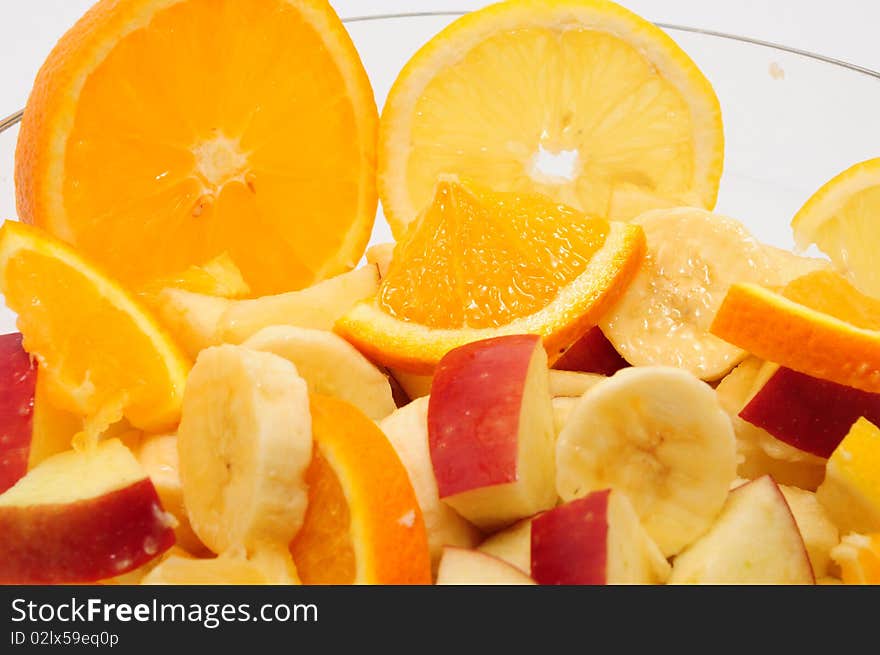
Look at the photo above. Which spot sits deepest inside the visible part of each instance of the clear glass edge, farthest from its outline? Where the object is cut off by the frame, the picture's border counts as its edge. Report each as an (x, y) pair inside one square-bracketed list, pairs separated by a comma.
[(15, 118)]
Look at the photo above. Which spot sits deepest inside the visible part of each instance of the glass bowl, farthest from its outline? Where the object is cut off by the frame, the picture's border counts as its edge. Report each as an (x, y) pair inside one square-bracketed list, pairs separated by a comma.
[(792, 119)]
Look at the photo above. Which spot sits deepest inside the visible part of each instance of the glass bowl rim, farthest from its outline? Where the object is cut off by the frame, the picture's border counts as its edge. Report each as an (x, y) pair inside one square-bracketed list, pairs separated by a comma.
[(14, 118)]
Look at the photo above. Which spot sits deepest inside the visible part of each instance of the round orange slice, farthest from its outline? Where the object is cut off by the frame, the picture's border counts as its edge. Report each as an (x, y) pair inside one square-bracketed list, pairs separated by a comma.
[(480, 264), (99, 350), (363, 524), (819, 325), (580, 100), (163, 133)]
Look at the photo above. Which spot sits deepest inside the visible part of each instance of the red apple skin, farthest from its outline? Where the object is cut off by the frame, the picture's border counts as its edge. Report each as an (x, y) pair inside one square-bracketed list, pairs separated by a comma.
[(810, 414), (18, 380), (592, 353), (570, 542), (474, 410), (84, 541)]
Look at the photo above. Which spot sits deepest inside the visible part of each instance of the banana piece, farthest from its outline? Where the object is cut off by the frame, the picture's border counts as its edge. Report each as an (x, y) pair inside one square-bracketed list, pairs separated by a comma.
[(244, 444), (664, 316), (658, 435), (330, 366), (191, 318)]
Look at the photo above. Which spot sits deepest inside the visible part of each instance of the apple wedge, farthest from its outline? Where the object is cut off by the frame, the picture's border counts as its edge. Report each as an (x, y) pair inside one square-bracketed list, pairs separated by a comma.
[(592, 353), (755, 540), (18, 380), (459, 566), (513, 545), (81, 517), (594, 540), (407, 430), (807, 413), (818, 531), (568, 384), (491, 430)]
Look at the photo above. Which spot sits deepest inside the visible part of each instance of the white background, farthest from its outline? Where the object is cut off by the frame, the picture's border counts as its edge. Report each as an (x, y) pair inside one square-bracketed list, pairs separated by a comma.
[(844, 29)]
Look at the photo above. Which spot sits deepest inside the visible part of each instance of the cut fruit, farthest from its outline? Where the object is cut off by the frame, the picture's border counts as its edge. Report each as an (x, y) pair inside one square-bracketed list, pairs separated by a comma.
[(81, 517), (280, 174), (363, 524), (415, 386), (759, 452), (244, 445), (568, 384), (219, 277), (841, 326), (223, 570), (840, 218), (330, 366), (754, 541), (480, 264), (491, 430), (18, 382), (53, 428), (850, 492), (158, 455), (819, 533), (471, 567), (595, 540), (577, 100), (407, 430), (592, 353), (563, 407), (380, 256), (664, 316), (191, 318), (513, 545), (807, 413), (98, 347), (858, 557), (658, 435)]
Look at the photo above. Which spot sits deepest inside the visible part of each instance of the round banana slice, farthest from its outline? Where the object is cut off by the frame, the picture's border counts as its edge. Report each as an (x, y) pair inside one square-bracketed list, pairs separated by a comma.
[(660, 436), (664, 316), (244, 442), (330, 366)]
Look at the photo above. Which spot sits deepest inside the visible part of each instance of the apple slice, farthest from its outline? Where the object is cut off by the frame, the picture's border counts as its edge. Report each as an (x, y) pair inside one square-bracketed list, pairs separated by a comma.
[(407, 430), (850, 492), (755, 540), (81, 517), (818, 531), (563, 407), (592, 353), (491, 431), (595, 540), (568, 384), (810, 414), (513, 545), (18, 380), (459, 566)]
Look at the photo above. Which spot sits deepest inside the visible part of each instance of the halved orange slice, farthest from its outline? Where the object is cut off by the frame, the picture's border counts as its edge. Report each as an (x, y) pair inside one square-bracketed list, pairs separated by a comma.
[(819, 325), (162, 133), (480, 264), (363, 524), (580, 100), (99, 350)]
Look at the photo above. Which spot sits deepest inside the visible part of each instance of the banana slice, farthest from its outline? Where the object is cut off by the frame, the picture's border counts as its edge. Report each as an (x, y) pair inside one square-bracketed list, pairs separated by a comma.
[(664, 316), (660, 436), (244, 443), (330, 366)]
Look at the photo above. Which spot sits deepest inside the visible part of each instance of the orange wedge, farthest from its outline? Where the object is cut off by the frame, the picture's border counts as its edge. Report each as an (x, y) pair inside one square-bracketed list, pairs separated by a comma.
[(859, 558), (363, 524), (99, 349), (819, 325), (580, 100), (162, 133), (480, 264)]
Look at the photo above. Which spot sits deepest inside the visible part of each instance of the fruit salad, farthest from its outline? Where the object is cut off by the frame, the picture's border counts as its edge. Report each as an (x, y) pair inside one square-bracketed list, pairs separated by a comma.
[(578, 378)]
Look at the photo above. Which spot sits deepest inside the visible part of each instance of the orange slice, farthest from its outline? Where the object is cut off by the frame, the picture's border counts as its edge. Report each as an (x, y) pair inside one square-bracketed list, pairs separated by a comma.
[(819, 325), (580, 100), (363, 524), (841, 219), (99, 349), (480, 264), (858, 556), (162, 133)]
